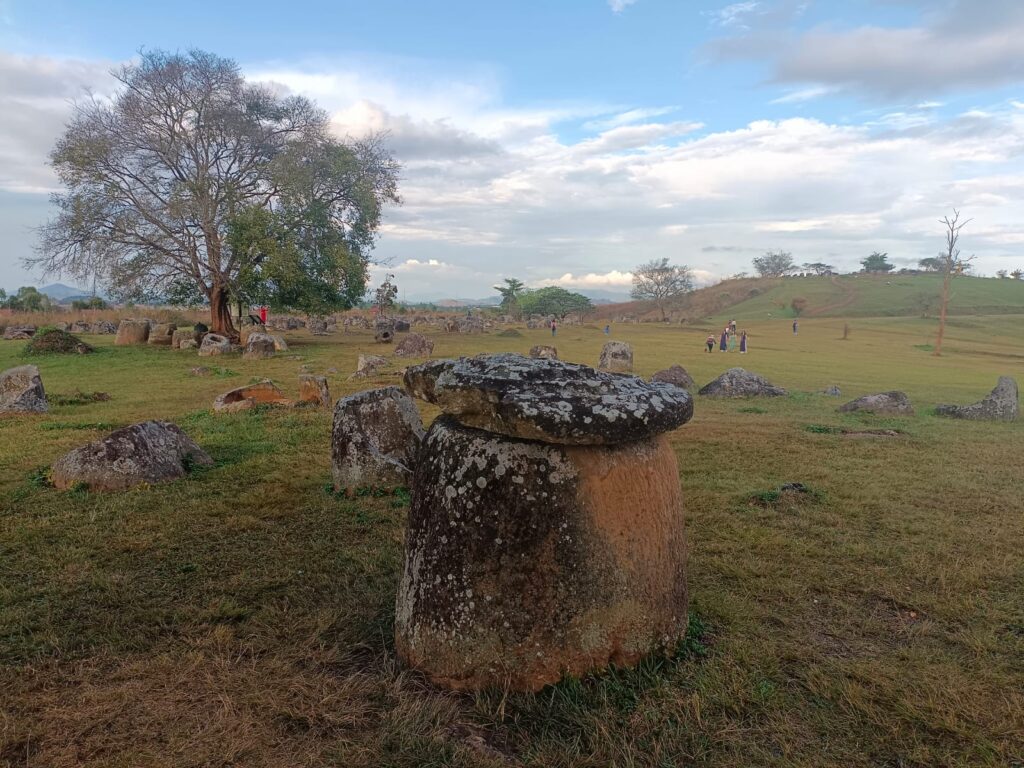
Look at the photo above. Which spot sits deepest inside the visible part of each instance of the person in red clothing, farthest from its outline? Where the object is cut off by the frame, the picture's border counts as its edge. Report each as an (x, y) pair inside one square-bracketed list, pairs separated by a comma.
[(263, 314)]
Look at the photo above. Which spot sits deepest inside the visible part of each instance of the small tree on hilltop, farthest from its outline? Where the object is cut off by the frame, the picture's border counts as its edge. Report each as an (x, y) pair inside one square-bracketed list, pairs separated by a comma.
[(660, 282), (1017, 274), (951, 264), (384, 297), (798, 305), (1002, 274), (773, 263), (930, 264), (877, 262), (819, 268)]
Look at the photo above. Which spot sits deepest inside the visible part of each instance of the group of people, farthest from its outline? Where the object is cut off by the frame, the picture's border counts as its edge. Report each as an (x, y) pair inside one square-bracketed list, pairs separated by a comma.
[(729, 340)]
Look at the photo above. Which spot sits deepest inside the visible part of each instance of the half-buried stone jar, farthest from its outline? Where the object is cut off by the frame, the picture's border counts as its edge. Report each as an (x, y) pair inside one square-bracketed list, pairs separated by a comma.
[(546, 531)]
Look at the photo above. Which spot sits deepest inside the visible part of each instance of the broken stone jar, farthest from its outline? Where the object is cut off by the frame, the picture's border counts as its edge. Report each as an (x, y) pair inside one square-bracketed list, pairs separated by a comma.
[(546, 531)]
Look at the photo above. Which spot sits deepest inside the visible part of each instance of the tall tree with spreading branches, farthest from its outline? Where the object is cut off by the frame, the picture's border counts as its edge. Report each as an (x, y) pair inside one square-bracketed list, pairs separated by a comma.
[(660, 282), (193, 184), (951, 264), (774, 263), (510, 293)]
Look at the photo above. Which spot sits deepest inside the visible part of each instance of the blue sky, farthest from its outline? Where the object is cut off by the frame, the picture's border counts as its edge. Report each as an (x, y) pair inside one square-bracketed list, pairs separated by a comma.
[(565, 142)]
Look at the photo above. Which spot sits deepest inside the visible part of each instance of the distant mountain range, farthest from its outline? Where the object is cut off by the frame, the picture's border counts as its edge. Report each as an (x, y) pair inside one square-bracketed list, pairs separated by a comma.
[(596, 296), (65, 293)]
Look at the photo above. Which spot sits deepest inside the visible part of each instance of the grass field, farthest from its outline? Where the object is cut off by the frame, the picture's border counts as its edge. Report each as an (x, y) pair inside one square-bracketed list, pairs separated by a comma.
[(243, 616)]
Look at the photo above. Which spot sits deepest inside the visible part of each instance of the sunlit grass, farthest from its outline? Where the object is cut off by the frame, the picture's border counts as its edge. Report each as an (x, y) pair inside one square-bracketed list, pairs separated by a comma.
[(244, 614)]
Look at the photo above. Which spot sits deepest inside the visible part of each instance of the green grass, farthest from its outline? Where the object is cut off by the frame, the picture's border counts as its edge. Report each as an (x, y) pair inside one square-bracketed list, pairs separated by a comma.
[(243, 615), (860, 295)]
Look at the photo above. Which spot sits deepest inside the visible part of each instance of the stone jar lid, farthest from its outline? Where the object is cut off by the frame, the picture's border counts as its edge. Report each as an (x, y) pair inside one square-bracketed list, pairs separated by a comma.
[(549, 400)]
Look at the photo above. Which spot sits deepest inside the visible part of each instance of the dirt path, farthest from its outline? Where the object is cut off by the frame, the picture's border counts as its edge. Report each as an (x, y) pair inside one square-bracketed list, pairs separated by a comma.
[(850, 296)]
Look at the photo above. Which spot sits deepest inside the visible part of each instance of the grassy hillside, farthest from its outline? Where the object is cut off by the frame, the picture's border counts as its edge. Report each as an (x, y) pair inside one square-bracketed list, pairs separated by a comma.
[(883, 296), (840, 296)]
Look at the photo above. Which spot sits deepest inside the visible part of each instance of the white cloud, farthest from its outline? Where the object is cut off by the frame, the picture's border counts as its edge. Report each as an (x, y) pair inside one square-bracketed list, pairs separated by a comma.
[(628, 117), (734, 15), (962, 44), (673, 229), (611, 279), (803, 94), (618, 6)]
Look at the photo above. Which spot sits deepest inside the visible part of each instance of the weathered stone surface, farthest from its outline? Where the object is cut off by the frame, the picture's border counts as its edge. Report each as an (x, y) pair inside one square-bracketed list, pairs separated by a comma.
[(375, 439), (884, 402), (150, 452), (21, 390), (737, 382), (317, 327), (261, 393), (214, 344), (414, 345), (1001, 404), (258, 346), (832, 391), (544, 352), (19, 332), (527, 561), (280, 345), (188, 344), (183, 334), (369, 365), (676, 375), (616, 356), (385, 336), (248, 329), (104, 327), (549, 400), (162, 334), (401, 326), (200, 370), (132, 332), (314, 390)]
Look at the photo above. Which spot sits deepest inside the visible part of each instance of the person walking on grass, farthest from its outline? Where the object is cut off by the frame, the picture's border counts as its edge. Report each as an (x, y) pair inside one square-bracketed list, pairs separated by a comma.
[(554, 326), (723, 343), (733, 341), (795, 326), (743, 343), (709, 342)]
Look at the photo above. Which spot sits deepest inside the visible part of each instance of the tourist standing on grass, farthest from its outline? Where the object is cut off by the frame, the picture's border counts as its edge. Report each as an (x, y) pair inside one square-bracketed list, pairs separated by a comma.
[(710, 343), (795, 326), (732, 341), (732, 327), (743, 343), (554, 326), (723, 343), (607, 329)]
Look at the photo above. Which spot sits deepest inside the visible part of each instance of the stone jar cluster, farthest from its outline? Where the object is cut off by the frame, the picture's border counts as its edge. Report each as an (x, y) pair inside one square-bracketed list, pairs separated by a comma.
[(546, 531)]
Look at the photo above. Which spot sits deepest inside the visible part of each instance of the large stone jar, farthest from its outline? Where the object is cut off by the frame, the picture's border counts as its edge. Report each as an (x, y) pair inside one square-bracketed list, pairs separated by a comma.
[(546, 530)]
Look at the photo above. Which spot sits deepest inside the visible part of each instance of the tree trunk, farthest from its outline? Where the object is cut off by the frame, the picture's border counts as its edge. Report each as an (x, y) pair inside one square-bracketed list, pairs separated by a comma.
[(220, 312), (942, 313)]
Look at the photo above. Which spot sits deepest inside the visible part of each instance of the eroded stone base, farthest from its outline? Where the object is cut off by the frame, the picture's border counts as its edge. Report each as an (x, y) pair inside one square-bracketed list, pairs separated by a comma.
[(528, 561)]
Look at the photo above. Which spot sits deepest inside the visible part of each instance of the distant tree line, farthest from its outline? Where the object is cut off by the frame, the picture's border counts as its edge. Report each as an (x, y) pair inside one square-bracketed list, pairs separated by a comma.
[(518, 300)]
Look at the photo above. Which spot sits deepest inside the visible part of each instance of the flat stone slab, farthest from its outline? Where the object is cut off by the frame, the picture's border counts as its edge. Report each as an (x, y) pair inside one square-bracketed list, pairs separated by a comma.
[(549, 400), (1001, 404), (737, 382), (894, 402)]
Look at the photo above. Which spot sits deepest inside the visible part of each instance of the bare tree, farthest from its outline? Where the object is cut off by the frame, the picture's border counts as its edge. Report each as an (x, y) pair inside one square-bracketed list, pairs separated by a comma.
[(194, 184), (660, 282), (951, 264)]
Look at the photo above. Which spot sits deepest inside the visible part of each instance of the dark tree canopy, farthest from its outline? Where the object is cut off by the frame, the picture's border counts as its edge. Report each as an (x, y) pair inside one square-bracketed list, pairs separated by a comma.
[(773, 263), (877, 262), (194, 184), (660, 282), (553, 300), (818, 268), (510, 293)]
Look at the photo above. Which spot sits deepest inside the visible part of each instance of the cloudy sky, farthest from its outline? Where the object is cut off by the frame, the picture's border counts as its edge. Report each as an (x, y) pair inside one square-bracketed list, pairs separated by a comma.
[(565, 142)]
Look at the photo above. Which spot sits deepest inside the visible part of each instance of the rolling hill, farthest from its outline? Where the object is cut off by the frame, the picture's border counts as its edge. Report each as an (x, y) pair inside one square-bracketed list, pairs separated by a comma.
[(857, 295)]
